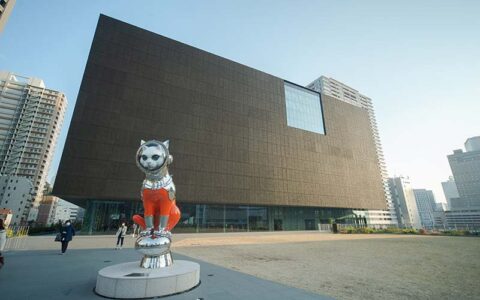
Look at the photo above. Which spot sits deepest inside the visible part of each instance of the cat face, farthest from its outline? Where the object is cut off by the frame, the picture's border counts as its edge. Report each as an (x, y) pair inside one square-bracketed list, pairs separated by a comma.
[(152, 155)]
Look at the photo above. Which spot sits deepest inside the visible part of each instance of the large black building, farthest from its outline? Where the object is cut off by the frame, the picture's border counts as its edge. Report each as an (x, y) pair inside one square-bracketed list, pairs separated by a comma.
[(251, 151)]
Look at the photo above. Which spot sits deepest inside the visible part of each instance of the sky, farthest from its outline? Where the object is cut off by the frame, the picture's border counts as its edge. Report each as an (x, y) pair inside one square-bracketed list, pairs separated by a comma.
[(419, 61)]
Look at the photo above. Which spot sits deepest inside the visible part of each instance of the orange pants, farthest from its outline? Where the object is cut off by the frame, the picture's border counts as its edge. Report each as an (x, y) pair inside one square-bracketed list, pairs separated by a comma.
[(156, 202)]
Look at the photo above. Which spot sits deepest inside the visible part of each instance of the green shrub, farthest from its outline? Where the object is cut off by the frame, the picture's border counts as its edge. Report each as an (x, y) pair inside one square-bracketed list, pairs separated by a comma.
[(365, 230), (391, 230), (456, 232)]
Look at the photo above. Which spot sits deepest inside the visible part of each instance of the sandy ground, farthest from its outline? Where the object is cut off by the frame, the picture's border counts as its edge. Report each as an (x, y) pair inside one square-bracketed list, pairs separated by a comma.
[(341, 266), (359, 266)]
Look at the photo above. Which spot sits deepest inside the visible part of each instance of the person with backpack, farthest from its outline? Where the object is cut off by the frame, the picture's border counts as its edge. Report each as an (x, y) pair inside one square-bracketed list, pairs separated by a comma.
[(66, 235)]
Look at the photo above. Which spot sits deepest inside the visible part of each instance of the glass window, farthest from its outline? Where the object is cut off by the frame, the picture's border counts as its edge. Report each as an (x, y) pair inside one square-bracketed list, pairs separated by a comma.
[(304, 109)]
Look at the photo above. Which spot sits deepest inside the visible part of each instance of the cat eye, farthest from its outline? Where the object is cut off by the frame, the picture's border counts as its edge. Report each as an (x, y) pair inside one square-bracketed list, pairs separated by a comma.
[(155, 157), (144, 157)]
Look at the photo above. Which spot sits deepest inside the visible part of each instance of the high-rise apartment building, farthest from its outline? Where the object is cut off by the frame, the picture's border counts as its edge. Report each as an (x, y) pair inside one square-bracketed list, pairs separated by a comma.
[(343, 92), (6, 7), (30, 120), (450, 190), (404, 201), (426, 206)]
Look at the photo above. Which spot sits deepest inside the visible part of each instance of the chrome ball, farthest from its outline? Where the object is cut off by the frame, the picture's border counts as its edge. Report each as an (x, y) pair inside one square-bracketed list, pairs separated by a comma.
[(152, 245)]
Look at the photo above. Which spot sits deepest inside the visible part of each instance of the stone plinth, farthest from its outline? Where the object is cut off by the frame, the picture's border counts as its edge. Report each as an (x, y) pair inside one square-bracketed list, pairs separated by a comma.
[(130, 281)]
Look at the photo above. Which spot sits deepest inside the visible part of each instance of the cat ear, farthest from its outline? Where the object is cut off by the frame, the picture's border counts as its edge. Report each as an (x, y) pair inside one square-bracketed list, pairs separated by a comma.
[(166, 143), (142, 142)]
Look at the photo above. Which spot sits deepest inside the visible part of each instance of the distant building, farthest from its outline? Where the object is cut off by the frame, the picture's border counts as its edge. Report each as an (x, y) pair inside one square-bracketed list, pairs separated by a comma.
[(426, 206), (439, 219), (47, 210), (465, 209), (463, 219), (466, 171), (16, 194), (6, 7), (6, 215), (31, 117), (404, 201), (65, 211), (472, 144), (343, 92), (450, 190)]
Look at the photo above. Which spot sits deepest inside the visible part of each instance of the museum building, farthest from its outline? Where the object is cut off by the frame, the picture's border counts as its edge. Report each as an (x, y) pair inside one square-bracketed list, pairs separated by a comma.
[(251, 151)]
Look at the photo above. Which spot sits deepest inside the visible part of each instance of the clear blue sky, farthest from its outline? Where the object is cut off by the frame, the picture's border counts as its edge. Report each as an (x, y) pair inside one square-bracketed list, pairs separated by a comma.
[(418, 60)]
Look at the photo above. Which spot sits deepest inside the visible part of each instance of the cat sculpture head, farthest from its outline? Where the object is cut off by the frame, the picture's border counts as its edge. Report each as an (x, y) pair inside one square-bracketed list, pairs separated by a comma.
[(153, 157)]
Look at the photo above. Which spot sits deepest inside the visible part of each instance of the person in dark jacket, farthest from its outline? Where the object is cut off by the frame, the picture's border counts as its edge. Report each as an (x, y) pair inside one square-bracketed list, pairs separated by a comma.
[(3, 240), (67, 233)]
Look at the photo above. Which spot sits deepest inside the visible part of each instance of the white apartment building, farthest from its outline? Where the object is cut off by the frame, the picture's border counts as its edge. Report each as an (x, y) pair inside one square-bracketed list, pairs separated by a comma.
[(16, 194), (65, 211), (342, 92), (31, 117), (6, 7)]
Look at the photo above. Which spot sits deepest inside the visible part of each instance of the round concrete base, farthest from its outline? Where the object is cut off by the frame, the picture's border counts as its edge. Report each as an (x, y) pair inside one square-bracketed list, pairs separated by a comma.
[(129, 281)]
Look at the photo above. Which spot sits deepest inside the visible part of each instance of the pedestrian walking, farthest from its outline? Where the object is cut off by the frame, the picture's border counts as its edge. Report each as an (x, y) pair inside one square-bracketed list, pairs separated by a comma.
[(135, 226), (66, 235), (121, 232), (3, 241)]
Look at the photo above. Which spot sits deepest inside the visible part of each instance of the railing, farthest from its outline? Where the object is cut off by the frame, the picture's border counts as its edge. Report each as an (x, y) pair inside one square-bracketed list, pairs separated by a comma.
[(325, 227), (329, 227), (16, 237)]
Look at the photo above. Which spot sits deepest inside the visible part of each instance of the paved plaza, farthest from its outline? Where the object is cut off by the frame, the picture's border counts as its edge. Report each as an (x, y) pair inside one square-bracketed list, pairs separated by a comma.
[(269, 265), (44, 274)]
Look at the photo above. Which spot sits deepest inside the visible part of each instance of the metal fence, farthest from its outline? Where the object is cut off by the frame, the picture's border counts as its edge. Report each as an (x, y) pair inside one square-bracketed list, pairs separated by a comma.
[(16, 237), (329, 227)]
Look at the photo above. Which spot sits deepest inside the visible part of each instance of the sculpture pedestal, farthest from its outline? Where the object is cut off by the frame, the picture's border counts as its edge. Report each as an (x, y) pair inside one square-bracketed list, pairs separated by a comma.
[(130, 281)]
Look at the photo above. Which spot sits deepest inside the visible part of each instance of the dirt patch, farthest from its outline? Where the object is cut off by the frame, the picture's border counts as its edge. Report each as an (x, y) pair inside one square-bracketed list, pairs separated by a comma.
[(352, 268)]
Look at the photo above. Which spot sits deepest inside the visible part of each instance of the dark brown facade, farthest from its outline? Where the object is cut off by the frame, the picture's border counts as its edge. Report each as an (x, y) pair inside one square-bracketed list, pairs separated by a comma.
[(227, 129)]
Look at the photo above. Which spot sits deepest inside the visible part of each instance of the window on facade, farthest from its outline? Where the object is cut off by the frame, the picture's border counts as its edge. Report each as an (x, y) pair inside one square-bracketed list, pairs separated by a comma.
[(304, 108)]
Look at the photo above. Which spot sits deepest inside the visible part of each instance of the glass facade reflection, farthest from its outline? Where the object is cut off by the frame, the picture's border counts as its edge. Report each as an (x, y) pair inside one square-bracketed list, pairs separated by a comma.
[(304, 109), (104, 217)]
